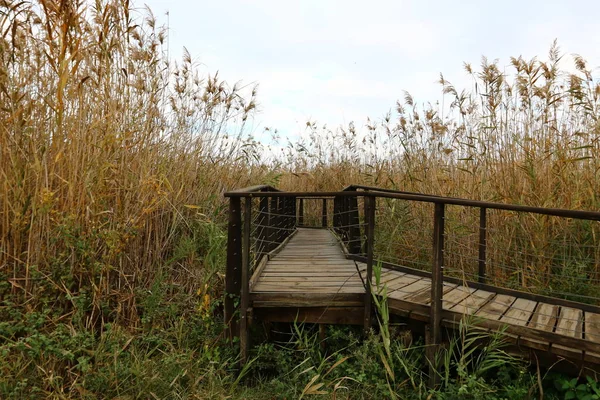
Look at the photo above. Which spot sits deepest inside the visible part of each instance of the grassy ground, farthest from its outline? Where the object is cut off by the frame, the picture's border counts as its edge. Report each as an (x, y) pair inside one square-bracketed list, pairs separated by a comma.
[(113, 161)]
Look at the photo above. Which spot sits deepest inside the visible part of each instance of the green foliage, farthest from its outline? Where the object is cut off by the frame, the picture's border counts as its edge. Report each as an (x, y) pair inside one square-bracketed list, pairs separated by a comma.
[(575, 388)]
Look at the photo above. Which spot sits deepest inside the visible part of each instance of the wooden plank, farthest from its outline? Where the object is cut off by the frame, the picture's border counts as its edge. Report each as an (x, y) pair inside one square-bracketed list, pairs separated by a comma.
[(455, 296), (592, 327), (570, 322), (544, 317), (412, 289), (306, 284), (314, 289), (496, 307), (472, 303), (519, 312), (303, 299), (318, 315), (424, 296), (269, 274), (397, 284), (312, 279)]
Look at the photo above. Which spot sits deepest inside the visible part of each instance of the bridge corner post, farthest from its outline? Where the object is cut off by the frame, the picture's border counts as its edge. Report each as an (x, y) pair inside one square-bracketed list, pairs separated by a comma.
[(245, 289), (301, 212), (293, 216), (370, 216), (437, 278), (233, 272), (336, 216)]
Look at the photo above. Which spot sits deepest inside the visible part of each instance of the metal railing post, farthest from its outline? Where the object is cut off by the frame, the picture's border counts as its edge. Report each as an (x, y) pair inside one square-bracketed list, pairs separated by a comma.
[(482, 244), (324, 214), (437, 282)]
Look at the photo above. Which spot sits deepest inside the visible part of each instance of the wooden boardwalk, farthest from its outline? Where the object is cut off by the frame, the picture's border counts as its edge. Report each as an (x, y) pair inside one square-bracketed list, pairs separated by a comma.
[(310, 278), (278, 269)]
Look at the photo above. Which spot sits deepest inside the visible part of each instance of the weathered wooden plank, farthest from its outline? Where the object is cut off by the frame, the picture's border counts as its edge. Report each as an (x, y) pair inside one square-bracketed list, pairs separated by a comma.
[(307, 284), (519, 312), (309, 274), (455, 296), (312, 279), (412, 289), (315, 289), (424, 296), (544, 317), (472, 303), (396, 285), (496, 307), (304, 299), (318, 315), (570, 322), (592, 327)]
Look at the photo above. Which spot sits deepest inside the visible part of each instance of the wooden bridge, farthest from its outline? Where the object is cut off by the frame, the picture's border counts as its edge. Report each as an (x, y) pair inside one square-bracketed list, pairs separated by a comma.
[(311, 257)]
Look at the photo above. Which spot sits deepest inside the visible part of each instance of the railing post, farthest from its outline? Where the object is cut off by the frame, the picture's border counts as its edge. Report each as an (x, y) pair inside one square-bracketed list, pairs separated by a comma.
[(370, 216), (354, 226), (291, 216), (336, 215), (280, 219), (262, 244), (245, 292), (233, 273), (482, 244), (324, 214), (301, 213), (437, 279)]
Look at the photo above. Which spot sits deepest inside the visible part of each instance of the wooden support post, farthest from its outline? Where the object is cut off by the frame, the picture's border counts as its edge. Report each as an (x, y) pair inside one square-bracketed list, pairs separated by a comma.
[(245, 292), (291, 216), (301, 213), (365, 214), (336, 215), (370, 216), (437, 282), (482, 244), (323, 336), (233, 272), (324, 214), (354, 226)]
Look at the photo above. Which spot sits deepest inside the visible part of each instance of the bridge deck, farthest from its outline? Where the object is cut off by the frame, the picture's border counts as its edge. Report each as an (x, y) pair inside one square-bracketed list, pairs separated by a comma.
[(312, 271)]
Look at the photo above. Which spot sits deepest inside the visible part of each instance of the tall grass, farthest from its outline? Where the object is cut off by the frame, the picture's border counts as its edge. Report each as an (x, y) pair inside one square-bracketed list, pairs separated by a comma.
[(103, 143)]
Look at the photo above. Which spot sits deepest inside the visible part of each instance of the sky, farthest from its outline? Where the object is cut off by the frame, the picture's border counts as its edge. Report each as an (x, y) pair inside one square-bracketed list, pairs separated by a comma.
[(334, 62)]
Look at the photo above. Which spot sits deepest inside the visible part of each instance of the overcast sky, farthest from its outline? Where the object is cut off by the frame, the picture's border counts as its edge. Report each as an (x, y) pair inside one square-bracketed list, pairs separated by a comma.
[(339, 61)]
